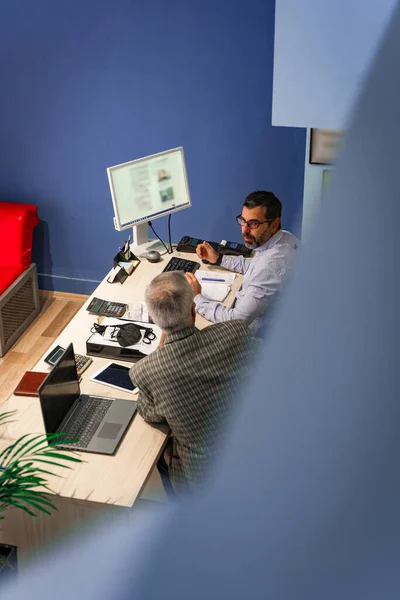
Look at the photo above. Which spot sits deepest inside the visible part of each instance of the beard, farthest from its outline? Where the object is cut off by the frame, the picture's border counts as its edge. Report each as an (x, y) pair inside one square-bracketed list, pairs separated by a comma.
[(252, 243)]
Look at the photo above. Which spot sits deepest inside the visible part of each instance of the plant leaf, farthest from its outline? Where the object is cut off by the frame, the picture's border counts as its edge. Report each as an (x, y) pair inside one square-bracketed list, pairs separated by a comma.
[(50, 462), (61, 456), (25, 448), (23, 482), (22, 507), (41, 499)]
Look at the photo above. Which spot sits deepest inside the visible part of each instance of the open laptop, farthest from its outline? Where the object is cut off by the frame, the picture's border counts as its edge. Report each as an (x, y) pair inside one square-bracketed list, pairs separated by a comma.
[(98, 423)]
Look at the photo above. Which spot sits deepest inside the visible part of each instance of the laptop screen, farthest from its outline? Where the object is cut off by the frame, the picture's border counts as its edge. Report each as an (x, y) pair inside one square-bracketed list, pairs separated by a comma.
[(59, 391)]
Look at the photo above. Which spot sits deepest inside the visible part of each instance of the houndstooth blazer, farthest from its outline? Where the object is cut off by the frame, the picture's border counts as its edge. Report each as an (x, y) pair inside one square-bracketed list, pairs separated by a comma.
[(191, 383)]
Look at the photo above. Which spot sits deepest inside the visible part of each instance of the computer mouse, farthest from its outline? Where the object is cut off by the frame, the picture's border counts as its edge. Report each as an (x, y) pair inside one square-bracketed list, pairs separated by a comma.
[(153, 256)]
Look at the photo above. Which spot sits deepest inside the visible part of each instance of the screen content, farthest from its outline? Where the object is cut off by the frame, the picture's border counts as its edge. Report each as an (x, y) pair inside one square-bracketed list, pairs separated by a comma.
[(59, 391), (117, 375), (148, 187)]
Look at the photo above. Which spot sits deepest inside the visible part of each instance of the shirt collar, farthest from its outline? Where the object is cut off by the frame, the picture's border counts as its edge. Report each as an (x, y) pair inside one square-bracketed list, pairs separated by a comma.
[(271, 242), (180, 335)]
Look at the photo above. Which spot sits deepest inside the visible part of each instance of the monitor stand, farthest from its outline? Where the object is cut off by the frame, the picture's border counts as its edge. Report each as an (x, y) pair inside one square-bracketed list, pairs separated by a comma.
[(141, 243)]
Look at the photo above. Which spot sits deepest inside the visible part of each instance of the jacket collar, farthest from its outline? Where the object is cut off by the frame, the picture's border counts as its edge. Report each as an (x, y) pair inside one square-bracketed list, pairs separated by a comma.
[(180, 335)]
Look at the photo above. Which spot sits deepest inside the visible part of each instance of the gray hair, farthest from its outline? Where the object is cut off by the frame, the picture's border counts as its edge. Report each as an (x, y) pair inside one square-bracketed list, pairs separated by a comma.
[(169, 299)]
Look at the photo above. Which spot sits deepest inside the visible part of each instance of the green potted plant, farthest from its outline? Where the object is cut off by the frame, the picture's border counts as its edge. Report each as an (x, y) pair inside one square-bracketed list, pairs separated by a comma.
[(23, 468)]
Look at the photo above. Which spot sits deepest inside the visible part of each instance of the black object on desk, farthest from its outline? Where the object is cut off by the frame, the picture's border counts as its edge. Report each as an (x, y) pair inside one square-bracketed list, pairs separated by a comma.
[(124, 257), (115, 352), (181, 264), (82, 361), (106, 308), (234, 249), (189, 244)]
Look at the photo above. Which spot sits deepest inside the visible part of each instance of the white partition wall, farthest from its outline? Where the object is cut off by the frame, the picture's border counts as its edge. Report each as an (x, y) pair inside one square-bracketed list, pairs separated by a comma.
[(322, 52)]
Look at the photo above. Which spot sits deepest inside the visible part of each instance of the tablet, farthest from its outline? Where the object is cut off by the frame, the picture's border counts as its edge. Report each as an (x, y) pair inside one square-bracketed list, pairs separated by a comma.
[(116, 376)]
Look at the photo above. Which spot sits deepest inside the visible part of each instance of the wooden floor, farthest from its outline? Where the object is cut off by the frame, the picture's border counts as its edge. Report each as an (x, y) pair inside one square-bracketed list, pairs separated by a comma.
[(57, 311)]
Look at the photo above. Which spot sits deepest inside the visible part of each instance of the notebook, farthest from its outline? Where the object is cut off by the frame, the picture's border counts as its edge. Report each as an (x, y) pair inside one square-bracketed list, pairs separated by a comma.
[(29, 384)]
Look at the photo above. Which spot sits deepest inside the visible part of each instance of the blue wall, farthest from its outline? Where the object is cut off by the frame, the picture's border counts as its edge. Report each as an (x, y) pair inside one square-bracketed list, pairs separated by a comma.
[(86, 84)]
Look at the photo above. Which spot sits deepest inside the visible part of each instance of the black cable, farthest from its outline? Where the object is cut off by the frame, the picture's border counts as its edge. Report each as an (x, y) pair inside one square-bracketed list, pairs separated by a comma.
[(169, 233), (156, 234)]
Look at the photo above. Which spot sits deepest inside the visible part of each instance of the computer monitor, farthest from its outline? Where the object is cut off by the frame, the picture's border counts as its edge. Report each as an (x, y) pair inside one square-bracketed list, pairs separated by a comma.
[(146, 189)]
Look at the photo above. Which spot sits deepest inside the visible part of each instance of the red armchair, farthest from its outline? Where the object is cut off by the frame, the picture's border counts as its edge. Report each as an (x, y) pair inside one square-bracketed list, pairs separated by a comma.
[(19, 296)]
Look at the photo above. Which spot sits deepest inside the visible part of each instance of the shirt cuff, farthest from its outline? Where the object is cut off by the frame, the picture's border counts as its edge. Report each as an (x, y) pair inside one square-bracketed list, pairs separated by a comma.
[(198, 300), (224, 260)]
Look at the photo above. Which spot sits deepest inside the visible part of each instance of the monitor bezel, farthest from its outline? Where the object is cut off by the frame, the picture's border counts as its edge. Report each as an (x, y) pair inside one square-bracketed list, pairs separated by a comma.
[(142, 220)]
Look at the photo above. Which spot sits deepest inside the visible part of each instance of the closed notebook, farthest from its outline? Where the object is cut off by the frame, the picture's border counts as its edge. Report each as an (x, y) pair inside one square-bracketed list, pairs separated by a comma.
[(29, 384)]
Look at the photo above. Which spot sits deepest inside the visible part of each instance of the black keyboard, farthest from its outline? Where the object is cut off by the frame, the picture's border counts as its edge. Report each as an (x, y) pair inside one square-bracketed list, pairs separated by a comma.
[(181, 264), (86, 421)]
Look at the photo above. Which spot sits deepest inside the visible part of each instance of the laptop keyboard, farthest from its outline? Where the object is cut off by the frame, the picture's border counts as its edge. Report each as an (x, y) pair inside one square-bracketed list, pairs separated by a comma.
[(86, 421)]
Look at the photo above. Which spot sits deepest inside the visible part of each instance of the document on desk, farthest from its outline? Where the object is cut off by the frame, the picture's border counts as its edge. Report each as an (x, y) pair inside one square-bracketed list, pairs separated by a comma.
[(215, 286)]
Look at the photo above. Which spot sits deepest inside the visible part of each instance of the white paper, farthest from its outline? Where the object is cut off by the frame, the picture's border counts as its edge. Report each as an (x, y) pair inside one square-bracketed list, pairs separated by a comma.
[(215, 286), (215, 291), (219, 277), (113, 274)]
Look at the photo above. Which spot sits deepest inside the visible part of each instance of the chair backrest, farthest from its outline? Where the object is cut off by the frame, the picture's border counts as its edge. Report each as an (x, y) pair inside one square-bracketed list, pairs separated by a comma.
[(17, 222)]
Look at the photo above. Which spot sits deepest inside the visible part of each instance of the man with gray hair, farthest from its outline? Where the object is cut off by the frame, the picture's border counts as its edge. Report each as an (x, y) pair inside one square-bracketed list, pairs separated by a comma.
[(191, 380)]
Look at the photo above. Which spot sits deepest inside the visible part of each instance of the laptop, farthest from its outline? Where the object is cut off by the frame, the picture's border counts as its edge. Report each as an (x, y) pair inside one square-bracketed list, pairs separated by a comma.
[(94, 423)]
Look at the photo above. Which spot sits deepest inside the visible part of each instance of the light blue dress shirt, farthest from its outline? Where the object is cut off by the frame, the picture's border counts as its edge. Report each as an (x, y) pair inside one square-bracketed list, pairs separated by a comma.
[(263, 276)]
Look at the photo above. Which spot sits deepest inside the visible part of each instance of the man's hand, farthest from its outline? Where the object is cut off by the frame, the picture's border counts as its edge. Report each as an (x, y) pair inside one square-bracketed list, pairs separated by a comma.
[(205, 251), (194, 282)]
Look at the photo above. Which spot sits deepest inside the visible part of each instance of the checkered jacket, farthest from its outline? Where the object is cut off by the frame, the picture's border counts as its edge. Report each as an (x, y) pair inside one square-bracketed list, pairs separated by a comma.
[(191, 383)]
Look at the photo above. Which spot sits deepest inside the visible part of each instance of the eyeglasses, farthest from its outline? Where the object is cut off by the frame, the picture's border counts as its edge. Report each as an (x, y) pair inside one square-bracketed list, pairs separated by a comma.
[(253, 224)]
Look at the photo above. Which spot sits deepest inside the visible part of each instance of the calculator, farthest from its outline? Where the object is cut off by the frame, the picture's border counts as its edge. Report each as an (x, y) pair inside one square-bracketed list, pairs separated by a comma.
[(106, 308), (82, 361)]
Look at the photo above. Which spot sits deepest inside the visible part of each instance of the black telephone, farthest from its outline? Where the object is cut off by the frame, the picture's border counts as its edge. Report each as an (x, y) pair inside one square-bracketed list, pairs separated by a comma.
[(189, 244), (225, 247), (106, 308)]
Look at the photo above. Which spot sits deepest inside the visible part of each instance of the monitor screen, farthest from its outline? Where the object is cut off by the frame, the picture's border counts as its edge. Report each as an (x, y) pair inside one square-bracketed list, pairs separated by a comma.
[(148, 188), (59, 391)]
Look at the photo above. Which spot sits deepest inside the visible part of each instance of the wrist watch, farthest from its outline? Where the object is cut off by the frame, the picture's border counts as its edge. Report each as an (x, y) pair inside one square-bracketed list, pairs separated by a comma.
[(219, 259)]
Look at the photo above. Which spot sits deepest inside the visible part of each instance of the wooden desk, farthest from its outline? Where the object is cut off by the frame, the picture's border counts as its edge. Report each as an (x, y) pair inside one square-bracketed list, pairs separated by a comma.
[(101, 482)]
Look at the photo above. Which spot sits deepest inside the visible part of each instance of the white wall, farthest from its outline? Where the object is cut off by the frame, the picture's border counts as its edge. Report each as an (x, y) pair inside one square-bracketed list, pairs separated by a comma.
[(322, 53), (312, 197)]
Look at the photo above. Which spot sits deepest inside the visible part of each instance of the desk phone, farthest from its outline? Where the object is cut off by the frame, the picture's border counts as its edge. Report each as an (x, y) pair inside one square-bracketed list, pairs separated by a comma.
[(106, 308), (189, 244)]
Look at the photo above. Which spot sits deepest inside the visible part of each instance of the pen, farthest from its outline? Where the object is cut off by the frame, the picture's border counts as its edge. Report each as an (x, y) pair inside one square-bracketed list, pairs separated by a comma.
[(212, 279)]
